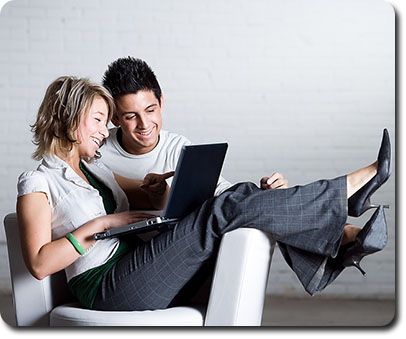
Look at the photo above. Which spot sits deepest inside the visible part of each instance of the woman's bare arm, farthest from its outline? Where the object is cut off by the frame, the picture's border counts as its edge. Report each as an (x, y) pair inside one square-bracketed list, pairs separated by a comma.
[(44, 256)]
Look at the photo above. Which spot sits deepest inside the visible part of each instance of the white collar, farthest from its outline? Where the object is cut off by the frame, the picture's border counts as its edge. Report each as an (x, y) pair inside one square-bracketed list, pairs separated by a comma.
[(54, 162)]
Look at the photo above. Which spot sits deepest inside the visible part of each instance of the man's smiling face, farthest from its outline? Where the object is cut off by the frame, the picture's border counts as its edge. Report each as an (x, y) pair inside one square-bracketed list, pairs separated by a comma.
[(139, 116)]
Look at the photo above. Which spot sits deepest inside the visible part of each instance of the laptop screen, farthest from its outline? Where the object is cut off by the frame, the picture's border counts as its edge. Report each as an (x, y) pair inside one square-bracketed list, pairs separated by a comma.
[(196, 176)]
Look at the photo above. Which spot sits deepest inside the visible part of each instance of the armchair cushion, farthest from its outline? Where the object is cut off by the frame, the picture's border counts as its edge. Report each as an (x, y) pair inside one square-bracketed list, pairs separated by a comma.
[(73, 315)]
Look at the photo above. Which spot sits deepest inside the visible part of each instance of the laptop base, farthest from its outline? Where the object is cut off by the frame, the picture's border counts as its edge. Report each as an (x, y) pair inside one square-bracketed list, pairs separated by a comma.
[(155, 224)]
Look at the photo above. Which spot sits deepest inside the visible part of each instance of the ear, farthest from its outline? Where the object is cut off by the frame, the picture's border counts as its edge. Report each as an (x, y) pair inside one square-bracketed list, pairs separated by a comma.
[(162, 102), (115, 122)]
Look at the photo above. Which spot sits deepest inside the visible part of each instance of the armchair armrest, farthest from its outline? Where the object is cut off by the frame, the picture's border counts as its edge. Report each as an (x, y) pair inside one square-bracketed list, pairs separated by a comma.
[(33, 299), (240, 279)]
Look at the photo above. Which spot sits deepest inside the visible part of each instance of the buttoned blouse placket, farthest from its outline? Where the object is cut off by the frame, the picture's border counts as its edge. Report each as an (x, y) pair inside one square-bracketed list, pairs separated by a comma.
[(99, 175), (71, 176), (95, 208)]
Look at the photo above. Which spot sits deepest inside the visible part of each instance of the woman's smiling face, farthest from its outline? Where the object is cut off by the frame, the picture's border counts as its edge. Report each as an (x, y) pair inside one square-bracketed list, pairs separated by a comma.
[(93, 128)]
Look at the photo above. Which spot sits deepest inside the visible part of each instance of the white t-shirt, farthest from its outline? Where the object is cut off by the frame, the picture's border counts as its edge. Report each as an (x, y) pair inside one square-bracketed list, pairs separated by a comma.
[(163, 158)]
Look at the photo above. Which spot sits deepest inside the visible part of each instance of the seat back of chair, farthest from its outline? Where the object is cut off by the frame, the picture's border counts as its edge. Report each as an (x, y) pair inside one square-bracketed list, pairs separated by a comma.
[(33, 299)]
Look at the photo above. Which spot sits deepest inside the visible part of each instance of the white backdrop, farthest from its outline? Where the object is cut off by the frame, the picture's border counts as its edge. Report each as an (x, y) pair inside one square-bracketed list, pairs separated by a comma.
[(301, 87)]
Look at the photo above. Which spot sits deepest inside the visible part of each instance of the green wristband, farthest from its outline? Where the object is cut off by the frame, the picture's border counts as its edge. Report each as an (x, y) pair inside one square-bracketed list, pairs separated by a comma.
[(75, 243)]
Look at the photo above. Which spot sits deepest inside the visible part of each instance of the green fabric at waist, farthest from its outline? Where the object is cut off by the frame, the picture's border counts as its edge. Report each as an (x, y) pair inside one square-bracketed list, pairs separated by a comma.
[(85, 286)]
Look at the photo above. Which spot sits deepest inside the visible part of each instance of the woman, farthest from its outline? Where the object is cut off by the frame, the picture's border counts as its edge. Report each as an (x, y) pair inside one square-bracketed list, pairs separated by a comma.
[(72, 195)]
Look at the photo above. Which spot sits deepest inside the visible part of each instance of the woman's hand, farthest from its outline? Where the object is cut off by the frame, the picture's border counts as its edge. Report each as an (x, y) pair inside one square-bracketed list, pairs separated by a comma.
[(275, 181), (124, 218)]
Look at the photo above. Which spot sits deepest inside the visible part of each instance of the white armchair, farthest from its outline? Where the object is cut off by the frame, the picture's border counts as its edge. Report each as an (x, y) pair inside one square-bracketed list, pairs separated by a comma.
[(236, 297)]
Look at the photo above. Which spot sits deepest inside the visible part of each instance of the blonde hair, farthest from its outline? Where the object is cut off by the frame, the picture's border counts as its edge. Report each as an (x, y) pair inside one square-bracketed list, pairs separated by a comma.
[(66, 100)]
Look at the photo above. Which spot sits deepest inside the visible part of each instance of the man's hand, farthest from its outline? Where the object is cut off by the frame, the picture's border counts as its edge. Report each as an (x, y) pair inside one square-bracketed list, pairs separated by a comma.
[(156, 188), (275, 181)]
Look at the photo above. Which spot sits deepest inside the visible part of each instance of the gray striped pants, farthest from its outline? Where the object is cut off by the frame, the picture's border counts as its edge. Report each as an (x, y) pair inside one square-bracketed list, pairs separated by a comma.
[(306, 221)]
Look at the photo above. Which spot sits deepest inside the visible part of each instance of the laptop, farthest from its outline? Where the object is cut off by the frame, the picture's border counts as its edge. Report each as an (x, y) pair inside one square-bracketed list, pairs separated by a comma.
[(195, 180)]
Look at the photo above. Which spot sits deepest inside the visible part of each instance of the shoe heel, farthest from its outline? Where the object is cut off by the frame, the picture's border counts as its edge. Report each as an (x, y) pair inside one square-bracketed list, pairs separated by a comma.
[(368, 205), (348, 262), (357, 265)]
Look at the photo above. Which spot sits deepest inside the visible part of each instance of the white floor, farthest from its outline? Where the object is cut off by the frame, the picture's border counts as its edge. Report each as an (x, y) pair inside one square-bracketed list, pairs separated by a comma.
[(313, 311), (298, 312)]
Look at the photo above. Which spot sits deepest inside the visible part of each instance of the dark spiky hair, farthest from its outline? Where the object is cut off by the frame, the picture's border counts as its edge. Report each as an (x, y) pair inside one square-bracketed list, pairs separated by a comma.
[(130, 75)]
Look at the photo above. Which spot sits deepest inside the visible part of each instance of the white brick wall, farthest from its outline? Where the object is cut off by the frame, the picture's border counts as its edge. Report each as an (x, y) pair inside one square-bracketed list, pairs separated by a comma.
[(302, 87)]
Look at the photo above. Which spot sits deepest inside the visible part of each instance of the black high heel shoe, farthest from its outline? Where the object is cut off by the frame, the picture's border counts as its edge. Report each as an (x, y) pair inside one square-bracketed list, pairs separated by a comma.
[(360, 201), (372, 238)]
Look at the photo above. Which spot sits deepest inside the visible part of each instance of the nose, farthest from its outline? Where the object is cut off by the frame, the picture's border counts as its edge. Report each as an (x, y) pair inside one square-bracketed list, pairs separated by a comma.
[(104, 132), (142, 122)]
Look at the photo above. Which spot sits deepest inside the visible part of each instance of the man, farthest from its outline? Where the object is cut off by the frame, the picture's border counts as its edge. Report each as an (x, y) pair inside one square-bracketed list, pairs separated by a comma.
[(137, 145)]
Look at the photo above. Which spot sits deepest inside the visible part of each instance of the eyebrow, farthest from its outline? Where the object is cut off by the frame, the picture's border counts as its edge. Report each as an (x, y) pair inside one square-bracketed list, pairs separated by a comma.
[(134, 112)]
